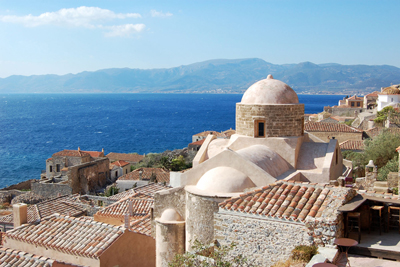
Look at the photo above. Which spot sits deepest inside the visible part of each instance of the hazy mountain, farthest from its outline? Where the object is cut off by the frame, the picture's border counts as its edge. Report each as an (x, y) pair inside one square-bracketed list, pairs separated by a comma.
[(220, 75)]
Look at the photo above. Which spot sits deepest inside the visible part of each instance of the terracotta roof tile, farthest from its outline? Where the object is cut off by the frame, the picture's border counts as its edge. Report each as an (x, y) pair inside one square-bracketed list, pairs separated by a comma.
[(142, 226), (70, 153), (352, 145), (206, 133), (68, 235), (198, 143), (141, 205), (329, 127), (126, 157), (120, 163), (67, 205), (291, 201), (95, 154), (162, 175), (148, 190), (10, 257)]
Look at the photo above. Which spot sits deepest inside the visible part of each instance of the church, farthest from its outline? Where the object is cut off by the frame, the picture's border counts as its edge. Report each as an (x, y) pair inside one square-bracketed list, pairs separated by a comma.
[(270, 172)]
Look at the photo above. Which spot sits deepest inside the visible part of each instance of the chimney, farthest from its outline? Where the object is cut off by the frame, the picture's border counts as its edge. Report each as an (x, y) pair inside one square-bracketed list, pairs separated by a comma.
[(140, 174), (126, 217), (20, 213), (130, 207), (79, 149)]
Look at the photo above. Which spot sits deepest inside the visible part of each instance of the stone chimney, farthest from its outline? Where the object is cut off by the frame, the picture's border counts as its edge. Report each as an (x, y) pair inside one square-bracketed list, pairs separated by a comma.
[(130, 208), (140, 174), (126, 220), (20, 214)]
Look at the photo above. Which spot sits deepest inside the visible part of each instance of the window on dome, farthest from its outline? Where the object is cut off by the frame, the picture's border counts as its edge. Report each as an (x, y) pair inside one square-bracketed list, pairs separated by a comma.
[(259, 128)]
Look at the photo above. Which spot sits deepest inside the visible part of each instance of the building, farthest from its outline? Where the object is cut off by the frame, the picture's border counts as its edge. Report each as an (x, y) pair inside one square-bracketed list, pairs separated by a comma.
[(352, 102), (119, 168), (143, 176), (370, 100), (73, 171), (352, 145), (132, 158), (269, 147), (327, 131), (81, 241), (203, 135), (389, 96)]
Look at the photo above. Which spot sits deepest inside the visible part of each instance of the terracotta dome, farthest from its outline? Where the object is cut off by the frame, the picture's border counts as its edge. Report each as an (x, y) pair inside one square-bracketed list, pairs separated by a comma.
[(270, 91)]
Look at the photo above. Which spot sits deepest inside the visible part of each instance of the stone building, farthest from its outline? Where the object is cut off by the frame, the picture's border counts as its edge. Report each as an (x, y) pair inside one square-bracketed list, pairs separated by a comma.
[(389, 96), (327, 131), (73, 171), (143, 176), (270, 145), (352, 102)]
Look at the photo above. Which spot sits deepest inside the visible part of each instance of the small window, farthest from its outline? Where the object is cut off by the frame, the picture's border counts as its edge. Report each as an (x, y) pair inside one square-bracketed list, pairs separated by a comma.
[(392, 99), (259, 128), (50, 168), (126, 171), (58, 168), (358, 104), (352, 104), (116, 173)]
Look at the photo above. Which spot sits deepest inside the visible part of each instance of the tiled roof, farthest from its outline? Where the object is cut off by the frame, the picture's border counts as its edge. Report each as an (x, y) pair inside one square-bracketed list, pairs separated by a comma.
[(120, 163), (148, 189), (354, 97), (329, 127), (74, 236), (352, 145), (284, 200), (10, 257), (199, 143), (391, 90), (375, 93), (66, 205), (229, 133), (142, 226), (70, 153), (140, 207), (206, 133), (162, 175), (125, 157), (95, 154)]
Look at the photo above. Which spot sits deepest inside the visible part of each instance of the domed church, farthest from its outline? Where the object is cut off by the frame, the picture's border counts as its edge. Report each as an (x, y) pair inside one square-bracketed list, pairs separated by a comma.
[(270, 145)]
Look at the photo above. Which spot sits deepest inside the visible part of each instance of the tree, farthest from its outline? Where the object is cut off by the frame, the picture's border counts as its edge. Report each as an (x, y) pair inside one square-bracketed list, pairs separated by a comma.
[(391, 166), (209, 256)]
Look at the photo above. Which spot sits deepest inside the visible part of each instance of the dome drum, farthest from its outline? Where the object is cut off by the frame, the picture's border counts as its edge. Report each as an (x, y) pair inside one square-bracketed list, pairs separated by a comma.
[(270, 120)]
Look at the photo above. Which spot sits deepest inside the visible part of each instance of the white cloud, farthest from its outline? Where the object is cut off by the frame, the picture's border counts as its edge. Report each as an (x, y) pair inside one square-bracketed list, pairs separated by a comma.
[(160, 14), (123, 30), (76, 17)]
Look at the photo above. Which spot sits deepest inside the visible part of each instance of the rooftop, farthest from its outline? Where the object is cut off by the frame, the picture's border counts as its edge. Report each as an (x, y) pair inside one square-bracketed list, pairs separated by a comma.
[(71, 153), (74, 236), (67, 205), (162, 175), (10, 257), (142, 226), (352, 145), (206, 133), (329, 127), (294, 201), (148, 189), (119, 163), (126, 157)]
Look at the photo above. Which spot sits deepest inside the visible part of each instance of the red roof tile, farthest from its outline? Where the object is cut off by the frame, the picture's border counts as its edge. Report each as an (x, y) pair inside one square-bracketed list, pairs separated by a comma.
[(354, 97), (95, 154), (68, 235), (142, 226), (285, 200), (162, 175), (329, 127), (148, 189), (11, 257), (70, 153), (352, 145), (199, 143), (206, 133), (126, 157), (120, 163)]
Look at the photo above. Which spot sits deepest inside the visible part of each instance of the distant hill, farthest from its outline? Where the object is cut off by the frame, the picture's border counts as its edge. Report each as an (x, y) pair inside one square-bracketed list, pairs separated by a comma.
[(213, 76)]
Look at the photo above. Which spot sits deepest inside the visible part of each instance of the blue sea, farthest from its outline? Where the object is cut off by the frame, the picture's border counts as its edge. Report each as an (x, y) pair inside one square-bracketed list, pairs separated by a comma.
[(34, 126)]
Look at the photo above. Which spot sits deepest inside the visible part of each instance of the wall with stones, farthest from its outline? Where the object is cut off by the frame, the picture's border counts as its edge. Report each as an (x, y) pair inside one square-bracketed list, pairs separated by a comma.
[(393, 179), (88, 177), (349, 112), (280, 120), (260, 240), (50, 189)]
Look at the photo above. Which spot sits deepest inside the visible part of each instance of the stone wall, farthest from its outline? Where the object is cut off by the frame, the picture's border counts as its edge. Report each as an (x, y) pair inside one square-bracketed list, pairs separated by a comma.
[(393, 179), (280, 120), (20, 186), (264, 241), (50, 189), (348, 112)]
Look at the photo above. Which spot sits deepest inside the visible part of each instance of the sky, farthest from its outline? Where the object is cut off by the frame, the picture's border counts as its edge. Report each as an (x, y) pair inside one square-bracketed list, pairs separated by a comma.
[(61, 37)]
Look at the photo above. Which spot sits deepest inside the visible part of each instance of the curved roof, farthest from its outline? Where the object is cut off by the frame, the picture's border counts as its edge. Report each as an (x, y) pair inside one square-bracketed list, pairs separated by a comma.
[(171, 215), (224, 180), (270, 91), (391, 90), (265, 158)]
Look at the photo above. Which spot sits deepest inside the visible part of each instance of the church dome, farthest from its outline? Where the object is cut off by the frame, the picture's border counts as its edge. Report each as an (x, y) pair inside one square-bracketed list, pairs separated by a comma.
[(270, 91), (224, 180), (391, 90)]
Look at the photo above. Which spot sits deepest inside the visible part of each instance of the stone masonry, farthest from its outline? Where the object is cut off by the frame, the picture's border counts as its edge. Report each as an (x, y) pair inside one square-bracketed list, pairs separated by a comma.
[(280, 120)]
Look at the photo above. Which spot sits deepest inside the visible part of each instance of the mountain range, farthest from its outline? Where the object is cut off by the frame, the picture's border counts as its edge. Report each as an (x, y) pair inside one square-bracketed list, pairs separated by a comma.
[(213, 76)]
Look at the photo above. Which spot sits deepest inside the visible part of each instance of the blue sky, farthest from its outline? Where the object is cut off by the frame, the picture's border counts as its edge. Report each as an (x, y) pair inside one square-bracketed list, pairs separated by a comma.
[(60, 37)]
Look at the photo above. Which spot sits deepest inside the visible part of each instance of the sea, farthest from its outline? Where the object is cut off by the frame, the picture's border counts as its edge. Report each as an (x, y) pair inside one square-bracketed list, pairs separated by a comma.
[(35, 126)]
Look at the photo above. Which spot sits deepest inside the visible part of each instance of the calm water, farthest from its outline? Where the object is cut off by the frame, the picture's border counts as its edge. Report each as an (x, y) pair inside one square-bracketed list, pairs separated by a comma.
[(33, 127)]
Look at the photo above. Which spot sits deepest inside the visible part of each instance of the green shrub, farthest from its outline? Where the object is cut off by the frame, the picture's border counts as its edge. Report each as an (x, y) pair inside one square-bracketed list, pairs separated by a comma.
[(395, 190), (391, 166)]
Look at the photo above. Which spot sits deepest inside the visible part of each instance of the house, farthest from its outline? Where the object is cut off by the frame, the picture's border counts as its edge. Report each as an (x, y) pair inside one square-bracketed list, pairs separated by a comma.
[(143, 176), (203, 135), (370, 100), (82, 242), (328, 131), (149, 189), (389, 96), (270, 148), (73, 171), (195, 146), (137, 206), (71, 205), (119, 168), (352, 145), (352, 102), (132, 158)]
